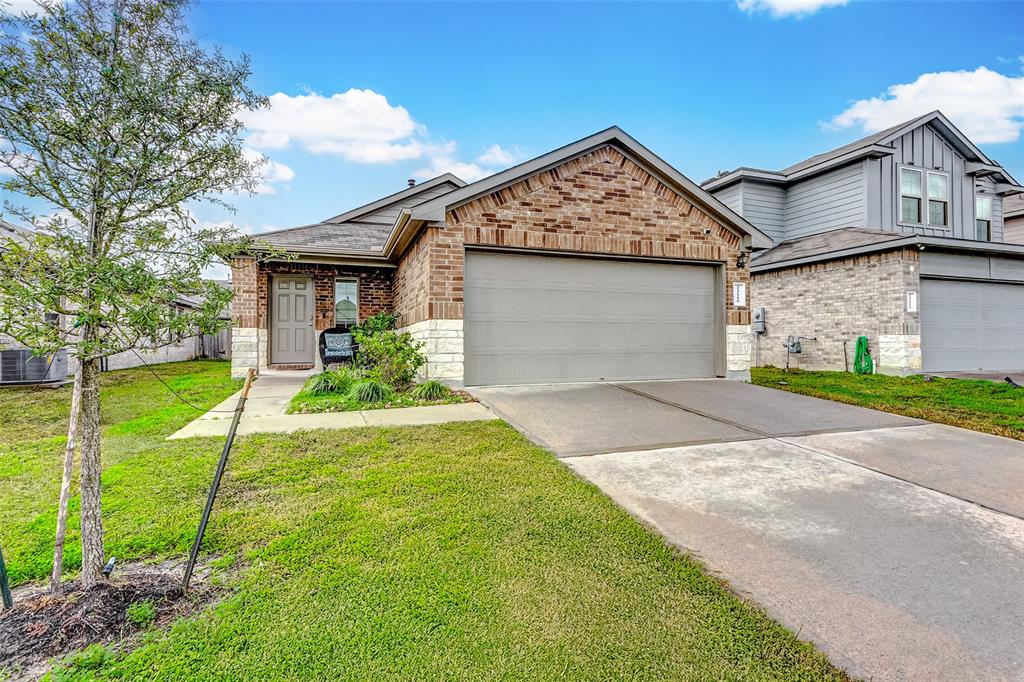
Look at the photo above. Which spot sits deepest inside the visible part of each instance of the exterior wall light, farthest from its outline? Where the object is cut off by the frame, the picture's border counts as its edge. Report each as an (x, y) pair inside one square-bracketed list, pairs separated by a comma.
[(741, 260)]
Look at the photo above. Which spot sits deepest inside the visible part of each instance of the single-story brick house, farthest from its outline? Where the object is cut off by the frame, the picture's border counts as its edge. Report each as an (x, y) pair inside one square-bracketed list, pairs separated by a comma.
[(596, 261)]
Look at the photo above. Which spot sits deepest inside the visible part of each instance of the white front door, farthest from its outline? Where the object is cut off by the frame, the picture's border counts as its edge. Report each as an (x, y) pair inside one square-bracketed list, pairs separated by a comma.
[(291, 327)]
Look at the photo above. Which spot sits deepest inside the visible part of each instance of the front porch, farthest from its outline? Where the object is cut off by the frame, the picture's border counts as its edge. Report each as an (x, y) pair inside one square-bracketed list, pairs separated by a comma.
[(281, 308)]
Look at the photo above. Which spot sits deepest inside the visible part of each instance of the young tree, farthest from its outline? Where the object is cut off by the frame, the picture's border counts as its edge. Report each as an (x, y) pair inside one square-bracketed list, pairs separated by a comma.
[(115, 119)]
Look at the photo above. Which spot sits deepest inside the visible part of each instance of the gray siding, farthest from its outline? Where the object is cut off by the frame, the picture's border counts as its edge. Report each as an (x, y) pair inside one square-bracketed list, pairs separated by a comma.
[(926, 149), (730, 196), (765, 206), (826, 202)]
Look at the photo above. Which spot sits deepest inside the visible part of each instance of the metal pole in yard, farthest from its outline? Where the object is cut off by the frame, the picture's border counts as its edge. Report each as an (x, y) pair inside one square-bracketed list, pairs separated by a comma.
[(5, 586), (221, 465)]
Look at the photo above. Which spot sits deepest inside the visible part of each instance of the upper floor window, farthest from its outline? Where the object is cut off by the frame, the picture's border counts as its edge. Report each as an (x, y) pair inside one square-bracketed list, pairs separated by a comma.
[(346, 302), (983, 218), (915, 196), (938, 199), (911, 195)]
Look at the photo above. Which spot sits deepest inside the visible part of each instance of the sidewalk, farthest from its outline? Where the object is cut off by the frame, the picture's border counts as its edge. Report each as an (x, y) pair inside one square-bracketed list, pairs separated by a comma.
[(272, 391)]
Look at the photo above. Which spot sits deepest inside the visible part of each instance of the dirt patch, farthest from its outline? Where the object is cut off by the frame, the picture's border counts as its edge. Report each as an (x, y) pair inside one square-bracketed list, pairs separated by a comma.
[(42, 626)]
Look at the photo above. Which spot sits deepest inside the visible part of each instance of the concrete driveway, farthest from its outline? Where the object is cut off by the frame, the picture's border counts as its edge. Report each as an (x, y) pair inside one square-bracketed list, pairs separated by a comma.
[(895, 545)]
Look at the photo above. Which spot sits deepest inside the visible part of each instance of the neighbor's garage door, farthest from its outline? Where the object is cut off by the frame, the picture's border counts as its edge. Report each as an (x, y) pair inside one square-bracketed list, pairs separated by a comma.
[(968, 326), (548, 319)]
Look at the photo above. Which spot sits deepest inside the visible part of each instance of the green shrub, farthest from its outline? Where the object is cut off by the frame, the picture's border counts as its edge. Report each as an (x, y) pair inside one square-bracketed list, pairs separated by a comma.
[(386, 355), (431, 390), (141, 614), (381, 322), (332, 381), (371, 391)]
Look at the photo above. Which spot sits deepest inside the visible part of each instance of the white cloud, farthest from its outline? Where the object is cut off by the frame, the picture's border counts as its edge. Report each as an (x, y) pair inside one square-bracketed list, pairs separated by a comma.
[(987, 106), (780, 9), (442, 160), (358, 125), (270, 172), (495, 155)]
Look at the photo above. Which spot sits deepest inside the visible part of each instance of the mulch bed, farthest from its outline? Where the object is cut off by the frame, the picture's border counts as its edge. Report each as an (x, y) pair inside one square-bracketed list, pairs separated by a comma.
[(43, 626)]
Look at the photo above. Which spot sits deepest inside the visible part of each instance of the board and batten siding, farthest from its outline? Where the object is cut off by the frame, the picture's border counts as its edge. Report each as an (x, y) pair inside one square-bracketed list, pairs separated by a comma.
[(826, 202), (926, 149)]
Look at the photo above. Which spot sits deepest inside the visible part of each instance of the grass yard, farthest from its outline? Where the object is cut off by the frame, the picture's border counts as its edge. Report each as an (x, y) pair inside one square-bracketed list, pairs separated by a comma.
[(978, 405), (457, 551)]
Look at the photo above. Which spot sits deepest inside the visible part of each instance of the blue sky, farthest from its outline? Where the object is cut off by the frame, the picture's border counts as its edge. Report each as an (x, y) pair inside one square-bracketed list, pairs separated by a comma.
[(368, 95)]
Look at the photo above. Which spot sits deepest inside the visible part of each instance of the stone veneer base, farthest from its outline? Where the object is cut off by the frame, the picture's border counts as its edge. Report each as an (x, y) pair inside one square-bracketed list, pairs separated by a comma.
[(739, 346), (442, 346)]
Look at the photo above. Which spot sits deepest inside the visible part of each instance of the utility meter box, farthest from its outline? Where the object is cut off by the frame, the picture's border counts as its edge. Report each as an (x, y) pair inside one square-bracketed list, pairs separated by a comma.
[(758, 321)]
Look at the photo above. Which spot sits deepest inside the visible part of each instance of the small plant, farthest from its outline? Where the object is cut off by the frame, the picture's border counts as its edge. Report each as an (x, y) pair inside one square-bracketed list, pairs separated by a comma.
[(141, 614), (431, 390), (385, 354), (371, 391), (332, 381), (92, 657)]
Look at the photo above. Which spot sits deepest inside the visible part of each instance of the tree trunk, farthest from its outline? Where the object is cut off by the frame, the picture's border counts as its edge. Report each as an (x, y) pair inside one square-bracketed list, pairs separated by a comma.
[(92, 523), (65, 486)]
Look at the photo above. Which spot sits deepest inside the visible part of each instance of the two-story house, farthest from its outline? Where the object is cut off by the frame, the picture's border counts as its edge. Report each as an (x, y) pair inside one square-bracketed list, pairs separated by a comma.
[(899, 237)]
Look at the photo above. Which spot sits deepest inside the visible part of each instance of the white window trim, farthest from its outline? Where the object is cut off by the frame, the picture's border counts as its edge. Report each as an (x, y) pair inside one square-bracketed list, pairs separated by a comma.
[(925, 172), (334, 299)]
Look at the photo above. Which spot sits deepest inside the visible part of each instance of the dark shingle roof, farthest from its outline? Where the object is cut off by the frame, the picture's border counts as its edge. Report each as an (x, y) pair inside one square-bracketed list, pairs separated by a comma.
[(825, 242), (364, 229)]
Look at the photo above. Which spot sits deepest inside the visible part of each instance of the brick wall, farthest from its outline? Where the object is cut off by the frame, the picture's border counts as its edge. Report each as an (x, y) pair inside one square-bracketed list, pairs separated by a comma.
[(838, 301), (243, 287), (599, 203), (412, 281)]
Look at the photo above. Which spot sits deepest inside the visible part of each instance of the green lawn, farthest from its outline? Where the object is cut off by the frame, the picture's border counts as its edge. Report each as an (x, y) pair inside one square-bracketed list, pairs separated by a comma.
[(979, 405), (458, 551)]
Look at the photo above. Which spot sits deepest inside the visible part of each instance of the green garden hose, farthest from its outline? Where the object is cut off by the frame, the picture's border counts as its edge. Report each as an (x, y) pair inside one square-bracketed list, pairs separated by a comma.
[(862, 363)]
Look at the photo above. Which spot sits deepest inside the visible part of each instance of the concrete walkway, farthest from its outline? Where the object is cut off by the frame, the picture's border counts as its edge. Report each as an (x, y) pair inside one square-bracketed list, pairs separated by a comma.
[(272, 391)]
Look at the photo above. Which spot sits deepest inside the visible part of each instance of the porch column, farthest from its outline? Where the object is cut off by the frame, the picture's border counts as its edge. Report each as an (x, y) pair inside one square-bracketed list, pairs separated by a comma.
[(244, 317)]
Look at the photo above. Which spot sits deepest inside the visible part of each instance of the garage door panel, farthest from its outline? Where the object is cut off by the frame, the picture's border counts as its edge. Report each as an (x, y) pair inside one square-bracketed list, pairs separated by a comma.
[(533, 319), (970, 326)]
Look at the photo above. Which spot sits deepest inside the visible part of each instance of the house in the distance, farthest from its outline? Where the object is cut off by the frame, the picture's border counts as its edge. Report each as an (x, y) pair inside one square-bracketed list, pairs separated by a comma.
[(1013, 219), (19, 365), (899, 236), (596, 261)]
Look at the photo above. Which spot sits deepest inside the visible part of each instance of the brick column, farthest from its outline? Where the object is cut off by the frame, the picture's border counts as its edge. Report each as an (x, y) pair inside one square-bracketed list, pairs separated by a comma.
[(245, 341)]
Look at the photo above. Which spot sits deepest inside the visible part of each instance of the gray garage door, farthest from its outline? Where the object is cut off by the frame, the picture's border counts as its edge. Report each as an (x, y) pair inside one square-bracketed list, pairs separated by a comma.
[(968, 326), (545, 319)]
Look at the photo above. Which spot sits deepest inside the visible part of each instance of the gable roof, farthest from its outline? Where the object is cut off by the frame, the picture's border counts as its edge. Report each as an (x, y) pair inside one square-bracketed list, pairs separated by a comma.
[(435, 209), (362, 230), (876, 144)]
